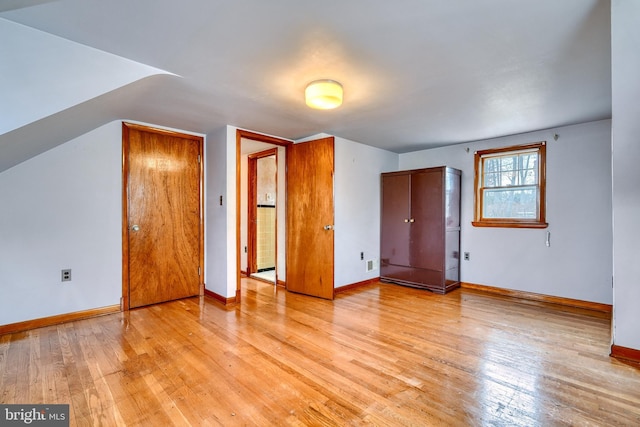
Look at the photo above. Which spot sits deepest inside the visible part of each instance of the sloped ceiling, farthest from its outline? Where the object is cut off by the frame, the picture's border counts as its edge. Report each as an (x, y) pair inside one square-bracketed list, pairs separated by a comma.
[(417, 73)]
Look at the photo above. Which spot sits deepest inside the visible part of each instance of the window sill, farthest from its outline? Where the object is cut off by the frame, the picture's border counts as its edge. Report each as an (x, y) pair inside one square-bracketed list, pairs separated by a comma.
[(510, 224)]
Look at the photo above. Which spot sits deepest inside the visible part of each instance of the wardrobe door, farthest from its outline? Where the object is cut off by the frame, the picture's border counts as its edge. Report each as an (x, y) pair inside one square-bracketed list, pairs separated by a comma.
[(426, 244), (395, 220)]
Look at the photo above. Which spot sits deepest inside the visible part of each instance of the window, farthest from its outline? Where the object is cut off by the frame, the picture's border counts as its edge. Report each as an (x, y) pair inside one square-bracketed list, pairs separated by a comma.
[(510, 187)]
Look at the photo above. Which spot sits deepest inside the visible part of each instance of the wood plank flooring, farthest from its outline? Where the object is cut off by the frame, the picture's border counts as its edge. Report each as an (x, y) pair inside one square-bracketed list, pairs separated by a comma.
[(378, 355)]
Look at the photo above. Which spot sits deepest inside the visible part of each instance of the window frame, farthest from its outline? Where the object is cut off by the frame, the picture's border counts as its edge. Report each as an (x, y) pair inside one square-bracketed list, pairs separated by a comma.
[(541, 187)]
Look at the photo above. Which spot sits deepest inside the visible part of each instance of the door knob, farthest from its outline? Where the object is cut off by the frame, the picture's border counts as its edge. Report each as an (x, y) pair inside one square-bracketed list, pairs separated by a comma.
[(328, 227), (135, 227)]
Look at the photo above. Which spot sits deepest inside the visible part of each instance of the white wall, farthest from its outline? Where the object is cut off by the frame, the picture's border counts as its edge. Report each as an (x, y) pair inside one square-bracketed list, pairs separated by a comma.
[(357, 208), (62, 209), (220, 178), (625, 65), (38, 59), (578, 264)]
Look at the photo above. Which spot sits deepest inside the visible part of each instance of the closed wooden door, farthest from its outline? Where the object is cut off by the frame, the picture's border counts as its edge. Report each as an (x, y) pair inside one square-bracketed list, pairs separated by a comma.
[(310, 216), (163, 215)]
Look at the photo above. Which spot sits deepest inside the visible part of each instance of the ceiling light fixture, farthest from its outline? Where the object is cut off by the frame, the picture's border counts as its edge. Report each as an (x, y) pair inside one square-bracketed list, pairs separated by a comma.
[(323, 94)]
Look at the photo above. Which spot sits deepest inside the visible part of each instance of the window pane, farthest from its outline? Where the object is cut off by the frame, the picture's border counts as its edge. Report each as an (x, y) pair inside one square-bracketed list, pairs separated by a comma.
[(510, 203), (511, 170), (492, 164), (530, 177), (507, 163), (508, 179), (492, 180)]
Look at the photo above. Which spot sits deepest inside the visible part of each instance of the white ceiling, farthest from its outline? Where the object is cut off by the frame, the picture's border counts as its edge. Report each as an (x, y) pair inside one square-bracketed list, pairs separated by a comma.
[(416, 73)]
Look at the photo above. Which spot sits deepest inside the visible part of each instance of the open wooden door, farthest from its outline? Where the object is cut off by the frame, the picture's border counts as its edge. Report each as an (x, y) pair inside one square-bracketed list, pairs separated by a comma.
[(252, 215), (310, 217)]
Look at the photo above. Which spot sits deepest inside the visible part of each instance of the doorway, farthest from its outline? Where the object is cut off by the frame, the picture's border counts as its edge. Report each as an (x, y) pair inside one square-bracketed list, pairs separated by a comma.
[(262, 194), (308, 261), (258, 146)]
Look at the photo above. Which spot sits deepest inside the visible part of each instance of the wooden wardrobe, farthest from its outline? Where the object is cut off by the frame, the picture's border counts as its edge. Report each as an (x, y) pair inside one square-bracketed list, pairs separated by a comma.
[(420, 235)]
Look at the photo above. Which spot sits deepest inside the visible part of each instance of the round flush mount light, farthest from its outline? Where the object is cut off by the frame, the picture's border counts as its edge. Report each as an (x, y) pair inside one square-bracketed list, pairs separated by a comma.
[(323, 94)]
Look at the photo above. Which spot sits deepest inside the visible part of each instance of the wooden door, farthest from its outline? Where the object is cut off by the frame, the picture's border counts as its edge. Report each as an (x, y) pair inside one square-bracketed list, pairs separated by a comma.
[(252, 215), (163, 234), (310, 216)]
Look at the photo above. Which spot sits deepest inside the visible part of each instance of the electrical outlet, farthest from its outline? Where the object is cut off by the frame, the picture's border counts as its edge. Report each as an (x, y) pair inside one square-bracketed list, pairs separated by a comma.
[(65, 275), (361, 256), (466, 256)]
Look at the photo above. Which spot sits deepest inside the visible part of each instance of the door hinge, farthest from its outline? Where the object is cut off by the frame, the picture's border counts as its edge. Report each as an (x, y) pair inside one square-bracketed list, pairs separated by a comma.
[(198, 158), (198, 271)]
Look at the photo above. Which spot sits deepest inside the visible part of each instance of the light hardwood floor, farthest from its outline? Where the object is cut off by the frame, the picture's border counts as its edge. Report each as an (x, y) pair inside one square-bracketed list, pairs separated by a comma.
[(379, 355)]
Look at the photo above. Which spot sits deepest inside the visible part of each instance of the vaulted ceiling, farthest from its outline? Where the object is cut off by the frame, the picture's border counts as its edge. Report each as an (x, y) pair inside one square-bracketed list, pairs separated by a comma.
[(416, 73)]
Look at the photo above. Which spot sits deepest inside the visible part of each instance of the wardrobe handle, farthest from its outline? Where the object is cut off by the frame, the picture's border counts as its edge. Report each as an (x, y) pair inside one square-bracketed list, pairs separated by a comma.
[(412, 220)]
